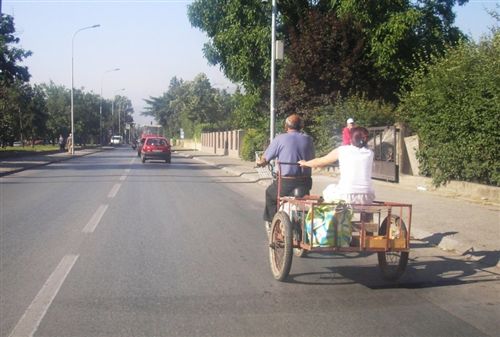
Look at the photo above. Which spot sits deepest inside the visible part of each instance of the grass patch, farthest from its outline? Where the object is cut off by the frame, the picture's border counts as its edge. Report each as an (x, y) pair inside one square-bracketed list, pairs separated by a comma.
[(29, 148), (20, 151)]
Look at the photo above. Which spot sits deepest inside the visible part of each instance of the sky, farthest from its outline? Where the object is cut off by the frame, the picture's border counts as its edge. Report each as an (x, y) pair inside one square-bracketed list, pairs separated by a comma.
[(150, 41)]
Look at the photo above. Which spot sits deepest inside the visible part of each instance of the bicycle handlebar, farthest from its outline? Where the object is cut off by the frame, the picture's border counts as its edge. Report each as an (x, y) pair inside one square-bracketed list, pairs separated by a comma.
[(287, 163)]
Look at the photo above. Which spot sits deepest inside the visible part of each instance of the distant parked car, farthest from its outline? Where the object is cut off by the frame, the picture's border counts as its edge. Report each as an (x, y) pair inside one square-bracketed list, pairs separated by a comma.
[(157, 148), (116, 140)]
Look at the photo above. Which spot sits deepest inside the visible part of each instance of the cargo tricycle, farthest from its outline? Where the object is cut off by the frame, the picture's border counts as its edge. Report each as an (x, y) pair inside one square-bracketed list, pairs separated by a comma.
[(305, 224)]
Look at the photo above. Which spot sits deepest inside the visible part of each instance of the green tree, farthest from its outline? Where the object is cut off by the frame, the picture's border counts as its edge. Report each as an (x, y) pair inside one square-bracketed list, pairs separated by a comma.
[(326, 60), (238, 38), (34, 113), (121, 114), (166, 109), (334, 48), (453, 107), (402, 34), (11, 56), (12, 77), (86, 116), (58, 100), (10, 119), (189, 104)]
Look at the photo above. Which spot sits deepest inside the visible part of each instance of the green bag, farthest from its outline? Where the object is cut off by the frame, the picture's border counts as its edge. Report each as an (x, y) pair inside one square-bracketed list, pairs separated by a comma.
[(330, 226)]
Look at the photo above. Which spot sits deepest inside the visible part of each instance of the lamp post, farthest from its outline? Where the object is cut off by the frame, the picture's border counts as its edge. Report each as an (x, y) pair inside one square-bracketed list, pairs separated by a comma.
[(113, 108), (100, 102), (72, 85), (273, 57)]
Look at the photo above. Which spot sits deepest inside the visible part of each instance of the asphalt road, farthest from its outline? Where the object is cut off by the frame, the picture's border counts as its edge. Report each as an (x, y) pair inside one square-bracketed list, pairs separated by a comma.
[(104, 245)]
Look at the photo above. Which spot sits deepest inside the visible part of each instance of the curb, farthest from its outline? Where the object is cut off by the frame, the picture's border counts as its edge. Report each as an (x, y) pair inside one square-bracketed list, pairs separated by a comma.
[(244, 175)]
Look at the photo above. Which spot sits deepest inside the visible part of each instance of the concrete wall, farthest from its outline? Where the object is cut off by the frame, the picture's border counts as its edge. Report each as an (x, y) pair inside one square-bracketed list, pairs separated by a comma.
[(224, 143)]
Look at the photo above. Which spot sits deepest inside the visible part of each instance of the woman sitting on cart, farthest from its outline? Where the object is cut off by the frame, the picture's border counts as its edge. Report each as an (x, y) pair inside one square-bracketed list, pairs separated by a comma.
[(355, 163)]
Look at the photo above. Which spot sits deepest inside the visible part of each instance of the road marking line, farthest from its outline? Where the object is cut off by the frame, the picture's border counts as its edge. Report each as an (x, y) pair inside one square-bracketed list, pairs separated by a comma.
[(94, 221), (114, 190), (29, 322), (123, 177)]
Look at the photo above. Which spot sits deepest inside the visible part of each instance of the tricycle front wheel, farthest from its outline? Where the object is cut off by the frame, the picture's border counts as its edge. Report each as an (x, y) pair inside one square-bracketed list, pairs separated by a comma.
[(280, 246)]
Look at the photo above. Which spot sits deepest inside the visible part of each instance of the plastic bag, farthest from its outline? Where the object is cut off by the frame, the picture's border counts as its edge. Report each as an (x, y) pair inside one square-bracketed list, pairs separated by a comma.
[(329, 225)]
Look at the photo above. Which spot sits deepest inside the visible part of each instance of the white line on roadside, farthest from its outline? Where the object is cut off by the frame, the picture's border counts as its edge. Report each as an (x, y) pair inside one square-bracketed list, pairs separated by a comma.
[(29, 322), (114, 190), (94, 221)]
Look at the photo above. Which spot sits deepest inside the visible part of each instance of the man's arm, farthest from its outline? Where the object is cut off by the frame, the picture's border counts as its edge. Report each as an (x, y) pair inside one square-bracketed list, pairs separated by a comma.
[(269, 154)]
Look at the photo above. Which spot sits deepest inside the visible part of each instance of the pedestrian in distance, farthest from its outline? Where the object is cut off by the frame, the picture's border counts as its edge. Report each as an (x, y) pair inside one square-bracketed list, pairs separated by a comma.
[(346, 132), (69, 143), (61, 143), (289, 147)]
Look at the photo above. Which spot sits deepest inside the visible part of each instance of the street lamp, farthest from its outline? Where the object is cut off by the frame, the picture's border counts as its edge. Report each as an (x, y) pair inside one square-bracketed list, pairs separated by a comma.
[(273, 54), (72, 85), (100, 102), (113, 108)]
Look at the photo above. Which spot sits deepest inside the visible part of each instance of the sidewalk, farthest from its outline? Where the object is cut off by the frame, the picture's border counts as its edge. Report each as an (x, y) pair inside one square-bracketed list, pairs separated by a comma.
[(466, 227), (21, 163)]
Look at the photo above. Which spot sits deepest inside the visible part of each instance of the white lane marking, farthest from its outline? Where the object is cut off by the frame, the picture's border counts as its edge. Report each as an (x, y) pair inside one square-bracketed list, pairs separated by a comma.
[(114, 190), (123, 177), (127, 171), (94, 221), (29, 322)]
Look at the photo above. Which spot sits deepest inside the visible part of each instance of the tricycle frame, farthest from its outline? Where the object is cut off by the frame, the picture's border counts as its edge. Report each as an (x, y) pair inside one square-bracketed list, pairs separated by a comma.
[(289, 235)]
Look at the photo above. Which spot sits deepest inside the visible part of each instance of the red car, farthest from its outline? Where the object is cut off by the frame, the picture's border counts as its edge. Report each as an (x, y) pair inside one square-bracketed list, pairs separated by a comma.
[(155, 147), (140, 142)]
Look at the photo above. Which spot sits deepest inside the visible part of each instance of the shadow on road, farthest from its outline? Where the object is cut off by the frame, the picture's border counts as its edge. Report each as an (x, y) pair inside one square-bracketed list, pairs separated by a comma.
[(423, 271)]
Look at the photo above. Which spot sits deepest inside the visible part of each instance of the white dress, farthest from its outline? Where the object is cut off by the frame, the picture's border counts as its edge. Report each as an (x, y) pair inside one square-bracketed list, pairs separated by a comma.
[(355, 185)]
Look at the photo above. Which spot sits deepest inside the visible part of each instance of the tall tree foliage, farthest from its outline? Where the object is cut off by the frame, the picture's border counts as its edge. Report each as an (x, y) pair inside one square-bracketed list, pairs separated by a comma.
[(12, 79), (326, 60), (120, 115), (33, 110), (58, 109), (188, 104), (10, 55), (332, 46), (238, 38)]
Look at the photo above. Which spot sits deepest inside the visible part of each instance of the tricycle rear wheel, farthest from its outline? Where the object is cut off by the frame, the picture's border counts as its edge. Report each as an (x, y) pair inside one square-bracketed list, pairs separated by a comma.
[(280, 246), (393, 264)]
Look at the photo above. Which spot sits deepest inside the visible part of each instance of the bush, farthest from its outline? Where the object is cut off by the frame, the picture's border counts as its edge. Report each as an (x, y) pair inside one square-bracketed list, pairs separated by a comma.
[(453, 107), (254, 140)]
